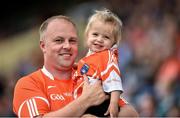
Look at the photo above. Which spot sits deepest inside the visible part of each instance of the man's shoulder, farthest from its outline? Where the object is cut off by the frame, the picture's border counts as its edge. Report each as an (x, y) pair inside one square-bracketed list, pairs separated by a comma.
[(34, 76)]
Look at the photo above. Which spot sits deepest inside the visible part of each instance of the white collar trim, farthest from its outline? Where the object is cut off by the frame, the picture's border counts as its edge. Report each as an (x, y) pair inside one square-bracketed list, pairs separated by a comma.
[(47, 73), (115, 46)]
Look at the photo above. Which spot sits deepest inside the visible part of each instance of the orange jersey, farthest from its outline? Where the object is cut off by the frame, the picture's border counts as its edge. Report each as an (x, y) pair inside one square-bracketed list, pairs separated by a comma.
[(40, 93), (101, 65)]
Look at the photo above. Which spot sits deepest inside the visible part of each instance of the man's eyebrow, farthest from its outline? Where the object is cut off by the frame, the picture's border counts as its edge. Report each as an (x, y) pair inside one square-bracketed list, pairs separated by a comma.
[(76, 38), (58, 37)]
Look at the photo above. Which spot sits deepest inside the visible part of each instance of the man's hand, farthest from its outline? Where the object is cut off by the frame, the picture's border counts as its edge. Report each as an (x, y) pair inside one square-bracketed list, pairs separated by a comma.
[(94, 92)]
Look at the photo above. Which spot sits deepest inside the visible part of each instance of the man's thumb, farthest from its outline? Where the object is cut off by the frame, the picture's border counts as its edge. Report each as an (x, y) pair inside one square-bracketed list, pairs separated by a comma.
[(86, 81)]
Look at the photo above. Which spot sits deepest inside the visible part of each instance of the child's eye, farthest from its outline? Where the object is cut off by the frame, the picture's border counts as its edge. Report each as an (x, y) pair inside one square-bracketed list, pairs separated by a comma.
[(94, 34), (106, 37)]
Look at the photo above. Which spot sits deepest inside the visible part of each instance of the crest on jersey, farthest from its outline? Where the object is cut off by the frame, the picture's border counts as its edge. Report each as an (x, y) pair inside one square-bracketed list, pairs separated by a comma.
[(84, 69)]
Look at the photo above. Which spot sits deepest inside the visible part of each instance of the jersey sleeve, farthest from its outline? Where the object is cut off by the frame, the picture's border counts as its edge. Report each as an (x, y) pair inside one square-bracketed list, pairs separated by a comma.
[(111, 75), (29, 99), (122, 101)]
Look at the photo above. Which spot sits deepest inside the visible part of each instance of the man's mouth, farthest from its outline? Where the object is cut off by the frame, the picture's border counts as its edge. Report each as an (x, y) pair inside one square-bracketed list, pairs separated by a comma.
[(66, 54)]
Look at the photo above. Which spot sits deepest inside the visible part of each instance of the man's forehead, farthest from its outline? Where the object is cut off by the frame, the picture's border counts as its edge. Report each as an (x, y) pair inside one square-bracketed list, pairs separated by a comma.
[(61, 24), (60, 21), (61, 27)]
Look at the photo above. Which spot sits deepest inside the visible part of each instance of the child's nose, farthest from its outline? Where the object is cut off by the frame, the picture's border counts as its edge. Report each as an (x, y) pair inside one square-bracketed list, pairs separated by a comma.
[(100, 39)]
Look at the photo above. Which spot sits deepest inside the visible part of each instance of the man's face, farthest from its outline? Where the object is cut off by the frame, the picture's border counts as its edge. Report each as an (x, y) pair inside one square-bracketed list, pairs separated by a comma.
[(60, 44)]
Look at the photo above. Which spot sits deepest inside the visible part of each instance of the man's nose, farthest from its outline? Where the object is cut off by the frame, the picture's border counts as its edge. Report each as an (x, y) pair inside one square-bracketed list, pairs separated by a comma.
[(66, 45)]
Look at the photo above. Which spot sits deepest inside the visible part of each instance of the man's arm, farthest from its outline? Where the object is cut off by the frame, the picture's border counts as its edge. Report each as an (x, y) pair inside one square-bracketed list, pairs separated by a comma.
[(128, 111), (92, 95)]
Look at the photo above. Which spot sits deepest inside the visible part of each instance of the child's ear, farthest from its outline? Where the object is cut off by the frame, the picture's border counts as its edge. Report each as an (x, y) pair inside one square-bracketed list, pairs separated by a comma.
[(115, 43)]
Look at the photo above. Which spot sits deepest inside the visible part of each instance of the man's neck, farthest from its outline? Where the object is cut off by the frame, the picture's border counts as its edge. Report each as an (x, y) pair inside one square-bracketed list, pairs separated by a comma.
[(59, 73), (66, 74)]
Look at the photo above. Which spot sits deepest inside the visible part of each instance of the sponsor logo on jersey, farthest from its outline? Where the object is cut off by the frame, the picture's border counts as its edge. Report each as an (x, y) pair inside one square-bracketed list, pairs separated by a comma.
[(57, 97), (67, 94)]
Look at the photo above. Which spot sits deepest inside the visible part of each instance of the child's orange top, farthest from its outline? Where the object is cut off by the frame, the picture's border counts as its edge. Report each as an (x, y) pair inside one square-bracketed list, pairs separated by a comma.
[(101, 65)]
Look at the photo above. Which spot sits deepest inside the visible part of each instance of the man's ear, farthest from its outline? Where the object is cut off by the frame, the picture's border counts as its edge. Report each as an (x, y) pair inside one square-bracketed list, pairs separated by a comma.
[(42, 45)]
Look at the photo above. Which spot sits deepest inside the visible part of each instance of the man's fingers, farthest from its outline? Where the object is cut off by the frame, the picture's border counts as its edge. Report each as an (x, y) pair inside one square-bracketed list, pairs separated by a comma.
[(107, 113), (107, 97), (86, 81)]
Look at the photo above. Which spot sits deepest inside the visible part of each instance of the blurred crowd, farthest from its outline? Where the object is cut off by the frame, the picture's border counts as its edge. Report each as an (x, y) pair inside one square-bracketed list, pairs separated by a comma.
[(149, 55)]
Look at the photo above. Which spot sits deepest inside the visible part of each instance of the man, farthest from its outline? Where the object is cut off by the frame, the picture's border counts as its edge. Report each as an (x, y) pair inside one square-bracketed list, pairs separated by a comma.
[(49, 91), (46, 91)]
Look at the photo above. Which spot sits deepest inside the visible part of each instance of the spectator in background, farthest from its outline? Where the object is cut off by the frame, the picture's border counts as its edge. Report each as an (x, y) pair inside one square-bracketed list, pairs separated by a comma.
[(167, 83), (4, 101)]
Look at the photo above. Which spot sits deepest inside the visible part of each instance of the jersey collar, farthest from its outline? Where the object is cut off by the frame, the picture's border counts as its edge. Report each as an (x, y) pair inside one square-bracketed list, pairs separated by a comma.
[(90, 52), (47, 73)]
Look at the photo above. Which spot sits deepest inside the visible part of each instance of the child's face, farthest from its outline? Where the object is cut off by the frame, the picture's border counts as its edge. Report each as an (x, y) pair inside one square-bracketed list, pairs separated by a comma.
[(100, 36)]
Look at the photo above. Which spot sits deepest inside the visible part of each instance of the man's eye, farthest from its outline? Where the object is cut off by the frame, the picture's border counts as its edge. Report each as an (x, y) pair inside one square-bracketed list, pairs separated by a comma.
[(59, 40), (73, 41)]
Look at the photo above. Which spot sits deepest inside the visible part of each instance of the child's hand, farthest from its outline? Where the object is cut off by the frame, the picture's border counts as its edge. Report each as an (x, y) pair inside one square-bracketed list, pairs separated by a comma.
[(113, 110)]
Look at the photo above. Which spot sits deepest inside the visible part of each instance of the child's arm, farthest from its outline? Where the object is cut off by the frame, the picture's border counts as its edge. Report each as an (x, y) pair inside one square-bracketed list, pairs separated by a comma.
[(115, 96), (113, 108)]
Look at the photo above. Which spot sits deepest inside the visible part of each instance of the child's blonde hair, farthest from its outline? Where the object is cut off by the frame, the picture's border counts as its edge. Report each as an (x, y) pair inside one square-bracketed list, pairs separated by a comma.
[(107, 16)]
